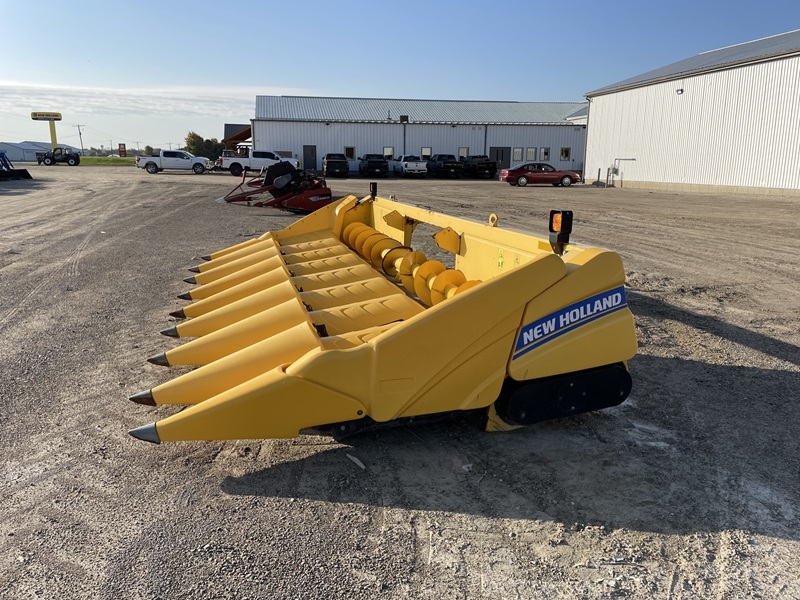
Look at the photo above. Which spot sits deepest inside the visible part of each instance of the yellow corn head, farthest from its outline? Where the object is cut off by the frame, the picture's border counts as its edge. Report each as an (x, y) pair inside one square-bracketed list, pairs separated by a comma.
[(338, 325)]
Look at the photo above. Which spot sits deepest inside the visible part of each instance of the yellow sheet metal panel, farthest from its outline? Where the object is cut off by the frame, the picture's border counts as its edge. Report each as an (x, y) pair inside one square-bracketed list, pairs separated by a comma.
[(318, 254), (472, 379), (426, 348), (241, 334), (209, 289), (333, 263), (240, 253), (236, 265), (272, 405), (370, 313), (234, 248), (326, 219), (237, 368), (601, 342), (352, 339), (448, 239), (359, 291), (238, 310), (574, 324), (297, 246), (237, 292), (334, 277)]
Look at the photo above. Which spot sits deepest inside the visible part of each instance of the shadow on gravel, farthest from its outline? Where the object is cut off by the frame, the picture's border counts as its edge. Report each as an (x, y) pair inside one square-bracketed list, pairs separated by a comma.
[(19, 187), (697, 448), (659, 309)]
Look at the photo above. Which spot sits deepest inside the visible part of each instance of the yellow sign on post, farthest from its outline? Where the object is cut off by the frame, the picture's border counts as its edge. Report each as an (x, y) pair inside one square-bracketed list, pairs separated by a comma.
[(46, 116), (52, 117)]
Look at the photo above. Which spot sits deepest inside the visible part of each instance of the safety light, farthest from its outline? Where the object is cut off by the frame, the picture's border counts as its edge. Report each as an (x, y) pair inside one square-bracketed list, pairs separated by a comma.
[(560, 227)]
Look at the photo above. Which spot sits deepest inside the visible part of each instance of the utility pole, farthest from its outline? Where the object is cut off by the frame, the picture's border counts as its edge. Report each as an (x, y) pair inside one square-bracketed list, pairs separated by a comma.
[(137, 146), (80, 137)]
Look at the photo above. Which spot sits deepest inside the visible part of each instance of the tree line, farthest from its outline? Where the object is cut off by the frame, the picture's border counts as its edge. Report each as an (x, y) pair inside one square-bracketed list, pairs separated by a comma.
[(194, 143)]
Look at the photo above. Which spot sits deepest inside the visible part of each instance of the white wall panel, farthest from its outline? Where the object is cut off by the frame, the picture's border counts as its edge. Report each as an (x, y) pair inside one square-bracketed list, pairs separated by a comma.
[(554, 137), (736, 127), (412, 137), (444, 139)]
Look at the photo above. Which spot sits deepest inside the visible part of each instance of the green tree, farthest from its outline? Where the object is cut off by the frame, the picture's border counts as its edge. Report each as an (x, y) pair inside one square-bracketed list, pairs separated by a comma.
[(148, 150), (211, 149), (194, 143)]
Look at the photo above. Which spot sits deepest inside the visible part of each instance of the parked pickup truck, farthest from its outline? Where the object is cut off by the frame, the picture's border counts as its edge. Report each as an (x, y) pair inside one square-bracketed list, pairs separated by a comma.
[(373, 164), (254, 161), (408, 164), (335, 164), (444, 164), (478, 165), (173, 159)]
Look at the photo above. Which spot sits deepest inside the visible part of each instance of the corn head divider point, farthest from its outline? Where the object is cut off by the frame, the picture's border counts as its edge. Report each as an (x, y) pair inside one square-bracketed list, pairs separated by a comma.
[(336, 324)]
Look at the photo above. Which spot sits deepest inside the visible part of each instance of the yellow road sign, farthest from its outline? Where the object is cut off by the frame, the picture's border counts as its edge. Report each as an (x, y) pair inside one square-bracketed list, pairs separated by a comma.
[(46, 116)]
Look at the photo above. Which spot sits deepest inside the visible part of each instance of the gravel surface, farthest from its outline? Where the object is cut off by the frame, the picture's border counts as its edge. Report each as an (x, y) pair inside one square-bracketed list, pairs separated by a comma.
[(690, 489)]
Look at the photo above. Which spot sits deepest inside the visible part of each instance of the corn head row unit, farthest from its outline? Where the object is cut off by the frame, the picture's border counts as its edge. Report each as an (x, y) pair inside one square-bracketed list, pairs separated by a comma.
[(335, 324)]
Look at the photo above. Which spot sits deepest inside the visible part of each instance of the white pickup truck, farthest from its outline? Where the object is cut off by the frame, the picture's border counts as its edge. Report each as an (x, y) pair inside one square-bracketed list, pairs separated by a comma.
[(173, 159), (408, 164), (255, 161)]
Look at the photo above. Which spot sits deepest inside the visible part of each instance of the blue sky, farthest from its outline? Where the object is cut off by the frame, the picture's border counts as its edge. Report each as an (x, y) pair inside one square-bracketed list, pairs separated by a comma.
[(149, 72)]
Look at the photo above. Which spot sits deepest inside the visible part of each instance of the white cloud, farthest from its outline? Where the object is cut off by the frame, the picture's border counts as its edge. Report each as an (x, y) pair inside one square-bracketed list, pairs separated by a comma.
[(155, 115), (179, 101)]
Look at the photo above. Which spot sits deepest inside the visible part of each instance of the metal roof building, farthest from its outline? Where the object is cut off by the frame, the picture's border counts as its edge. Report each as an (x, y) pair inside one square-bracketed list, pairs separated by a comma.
[(26, 151), (724, 119), (510, 132)]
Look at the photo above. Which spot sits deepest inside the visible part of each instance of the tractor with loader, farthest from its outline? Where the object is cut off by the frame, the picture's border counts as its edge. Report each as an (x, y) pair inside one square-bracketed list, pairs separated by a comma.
[(8, 172), (337, 325)]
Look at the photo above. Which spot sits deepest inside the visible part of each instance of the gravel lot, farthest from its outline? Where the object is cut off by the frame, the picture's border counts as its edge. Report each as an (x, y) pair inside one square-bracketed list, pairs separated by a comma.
[(690, 489)]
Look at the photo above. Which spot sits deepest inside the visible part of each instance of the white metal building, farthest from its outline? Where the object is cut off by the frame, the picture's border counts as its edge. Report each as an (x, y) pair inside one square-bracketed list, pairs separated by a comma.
[(724, 119), (307, 128), (26, 151)]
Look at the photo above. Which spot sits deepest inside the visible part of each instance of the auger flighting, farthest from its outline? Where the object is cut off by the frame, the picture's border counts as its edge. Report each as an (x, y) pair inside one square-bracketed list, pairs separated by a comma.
[(336, 324)]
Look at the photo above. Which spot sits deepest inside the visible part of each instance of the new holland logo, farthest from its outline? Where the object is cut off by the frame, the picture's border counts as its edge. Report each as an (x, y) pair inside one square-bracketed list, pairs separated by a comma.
[(571, 317)]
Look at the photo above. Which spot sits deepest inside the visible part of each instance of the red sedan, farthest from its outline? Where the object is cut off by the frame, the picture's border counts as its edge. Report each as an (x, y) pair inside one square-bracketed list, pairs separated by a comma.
[(522, 175)]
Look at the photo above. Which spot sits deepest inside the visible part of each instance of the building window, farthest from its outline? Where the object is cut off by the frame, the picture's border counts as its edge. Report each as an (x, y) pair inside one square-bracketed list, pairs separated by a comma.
[(565, 153), (350, 152), (426, 152), (531, 154), (463, 152), (388, 152), (544, 154), (284, 153), (516, 156)]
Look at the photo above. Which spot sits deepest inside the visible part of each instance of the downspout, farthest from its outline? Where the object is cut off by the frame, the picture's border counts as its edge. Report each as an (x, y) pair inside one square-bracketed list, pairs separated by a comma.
[(486, 139), (586, 141)]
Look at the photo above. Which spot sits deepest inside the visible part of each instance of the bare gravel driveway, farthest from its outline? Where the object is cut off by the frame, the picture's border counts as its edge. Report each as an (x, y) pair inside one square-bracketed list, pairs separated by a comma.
[(690, 489)]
